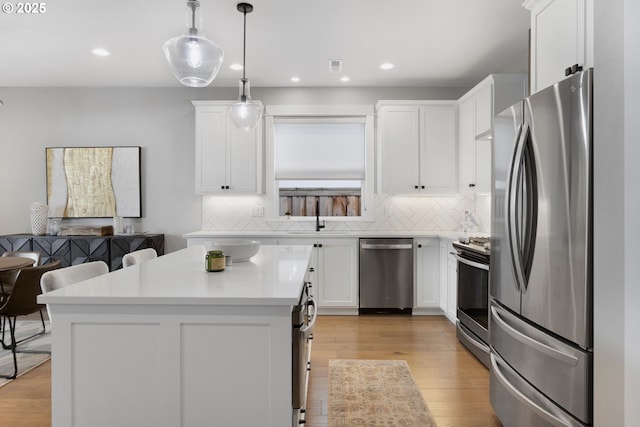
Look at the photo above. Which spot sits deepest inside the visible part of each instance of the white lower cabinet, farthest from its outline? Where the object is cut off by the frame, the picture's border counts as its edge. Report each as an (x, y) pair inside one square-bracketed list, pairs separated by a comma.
[(337, 274), (448, 280), (334, 281), (427, 276)]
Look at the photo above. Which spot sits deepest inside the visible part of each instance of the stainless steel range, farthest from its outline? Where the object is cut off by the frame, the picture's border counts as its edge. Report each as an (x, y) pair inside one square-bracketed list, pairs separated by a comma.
[(473, 296)]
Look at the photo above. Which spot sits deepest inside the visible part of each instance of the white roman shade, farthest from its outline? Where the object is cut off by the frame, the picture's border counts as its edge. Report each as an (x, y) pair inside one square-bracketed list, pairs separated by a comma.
[(319, 149)]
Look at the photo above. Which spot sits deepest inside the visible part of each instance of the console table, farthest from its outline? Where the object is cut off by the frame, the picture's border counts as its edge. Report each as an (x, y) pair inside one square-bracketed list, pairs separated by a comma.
[(73, 250)]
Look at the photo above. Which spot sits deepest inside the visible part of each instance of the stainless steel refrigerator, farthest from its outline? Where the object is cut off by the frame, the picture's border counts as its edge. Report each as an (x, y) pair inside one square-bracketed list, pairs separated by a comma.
[(541, 281)]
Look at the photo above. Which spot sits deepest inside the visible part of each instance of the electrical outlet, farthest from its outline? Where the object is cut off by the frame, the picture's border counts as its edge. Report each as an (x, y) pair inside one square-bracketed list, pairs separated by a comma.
[(257, 211)]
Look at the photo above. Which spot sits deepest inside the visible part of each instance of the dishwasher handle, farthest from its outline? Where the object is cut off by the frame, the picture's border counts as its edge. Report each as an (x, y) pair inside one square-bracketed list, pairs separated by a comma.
[(379, 246)]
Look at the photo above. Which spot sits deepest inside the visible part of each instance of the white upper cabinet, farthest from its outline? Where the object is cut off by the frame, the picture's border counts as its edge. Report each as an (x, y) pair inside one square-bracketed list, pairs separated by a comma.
[(416, 147), (561, 36), (476, 111), (227, 160)]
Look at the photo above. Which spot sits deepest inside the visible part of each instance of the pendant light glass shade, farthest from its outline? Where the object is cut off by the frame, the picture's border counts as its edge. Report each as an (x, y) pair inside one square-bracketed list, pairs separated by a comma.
[(245, 113), (194, 59)]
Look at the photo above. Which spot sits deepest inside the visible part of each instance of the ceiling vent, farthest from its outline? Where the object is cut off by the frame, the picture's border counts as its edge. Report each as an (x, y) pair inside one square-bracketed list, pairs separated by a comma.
[(335, 65)]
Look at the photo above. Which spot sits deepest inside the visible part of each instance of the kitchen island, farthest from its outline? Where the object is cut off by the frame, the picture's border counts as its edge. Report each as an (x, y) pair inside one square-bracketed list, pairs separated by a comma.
[(165, 343)]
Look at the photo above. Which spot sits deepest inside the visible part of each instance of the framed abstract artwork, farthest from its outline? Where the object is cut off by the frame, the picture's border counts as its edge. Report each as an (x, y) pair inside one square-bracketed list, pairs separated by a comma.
[(93, 182)]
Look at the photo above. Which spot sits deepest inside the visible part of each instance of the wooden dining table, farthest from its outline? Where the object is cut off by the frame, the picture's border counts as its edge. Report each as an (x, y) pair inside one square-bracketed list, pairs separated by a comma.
[(9, 264)]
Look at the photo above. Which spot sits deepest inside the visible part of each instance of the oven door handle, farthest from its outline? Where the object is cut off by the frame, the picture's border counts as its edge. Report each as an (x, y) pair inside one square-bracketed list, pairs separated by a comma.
[(308, 330), (472, 263)]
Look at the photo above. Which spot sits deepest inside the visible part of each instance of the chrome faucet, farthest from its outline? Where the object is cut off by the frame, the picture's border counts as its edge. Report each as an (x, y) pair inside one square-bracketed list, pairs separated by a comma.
[(318, 225)]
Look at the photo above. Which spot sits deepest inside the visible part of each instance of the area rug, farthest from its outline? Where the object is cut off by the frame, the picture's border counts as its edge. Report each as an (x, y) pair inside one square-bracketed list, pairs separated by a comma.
[(26, 361), (375, 393)]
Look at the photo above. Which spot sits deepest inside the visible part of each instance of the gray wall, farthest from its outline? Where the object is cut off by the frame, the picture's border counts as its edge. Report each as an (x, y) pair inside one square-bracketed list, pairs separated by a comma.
[(161, 120), (617, 203)]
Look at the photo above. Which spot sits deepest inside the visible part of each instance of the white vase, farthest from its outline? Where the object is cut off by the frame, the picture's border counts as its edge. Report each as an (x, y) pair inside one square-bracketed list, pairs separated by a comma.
[(39, 213)]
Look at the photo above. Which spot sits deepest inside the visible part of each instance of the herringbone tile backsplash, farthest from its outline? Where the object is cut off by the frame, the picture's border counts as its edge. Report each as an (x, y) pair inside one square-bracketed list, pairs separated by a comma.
[(391, 213)]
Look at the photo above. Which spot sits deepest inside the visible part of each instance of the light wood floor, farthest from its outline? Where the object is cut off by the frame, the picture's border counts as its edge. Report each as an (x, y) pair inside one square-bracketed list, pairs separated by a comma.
[(454, 384)]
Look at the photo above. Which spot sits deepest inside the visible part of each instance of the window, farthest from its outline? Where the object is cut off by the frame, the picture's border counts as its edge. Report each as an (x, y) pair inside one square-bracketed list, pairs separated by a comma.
[(320, 165)]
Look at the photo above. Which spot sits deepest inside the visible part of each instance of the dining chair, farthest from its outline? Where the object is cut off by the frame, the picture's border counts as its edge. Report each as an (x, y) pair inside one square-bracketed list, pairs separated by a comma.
[(21, 302), (136, 257), (8, 280), (62, 277)]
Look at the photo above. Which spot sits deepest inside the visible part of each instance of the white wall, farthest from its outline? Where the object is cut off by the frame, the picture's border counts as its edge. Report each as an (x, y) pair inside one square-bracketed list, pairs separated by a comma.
[(161, 120), (616, 207)]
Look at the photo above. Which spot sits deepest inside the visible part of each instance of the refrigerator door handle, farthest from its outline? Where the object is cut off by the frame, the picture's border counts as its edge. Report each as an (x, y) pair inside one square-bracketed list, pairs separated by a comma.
[(543, 412), (512, 212), (530, 342)]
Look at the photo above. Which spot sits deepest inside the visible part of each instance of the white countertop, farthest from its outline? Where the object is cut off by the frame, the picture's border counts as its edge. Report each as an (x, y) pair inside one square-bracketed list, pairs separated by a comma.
[(274, 276), (327, 234)]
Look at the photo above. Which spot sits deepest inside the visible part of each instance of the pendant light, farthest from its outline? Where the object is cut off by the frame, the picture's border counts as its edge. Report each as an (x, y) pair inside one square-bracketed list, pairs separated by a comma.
[(194, 59), (245, 113)]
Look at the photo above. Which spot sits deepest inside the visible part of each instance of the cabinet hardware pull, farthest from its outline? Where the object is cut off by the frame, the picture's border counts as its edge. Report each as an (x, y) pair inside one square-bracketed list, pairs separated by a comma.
[(472, 185), (415, 186), (572, 70)]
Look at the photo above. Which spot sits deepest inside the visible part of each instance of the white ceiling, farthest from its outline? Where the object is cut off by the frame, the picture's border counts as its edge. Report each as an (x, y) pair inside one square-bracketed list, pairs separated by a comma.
[(432, 42)]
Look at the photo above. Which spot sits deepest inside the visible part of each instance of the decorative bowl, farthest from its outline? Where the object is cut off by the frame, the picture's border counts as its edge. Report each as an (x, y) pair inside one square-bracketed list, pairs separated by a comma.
[(238, 250)]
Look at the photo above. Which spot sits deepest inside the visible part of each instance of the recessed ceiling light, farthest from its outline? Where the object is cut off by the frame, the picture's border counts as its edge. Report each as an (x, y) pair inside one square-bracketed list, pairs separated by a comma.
[(344, 79), (236, 67), (295, 79), (99, 51), (387, 66)]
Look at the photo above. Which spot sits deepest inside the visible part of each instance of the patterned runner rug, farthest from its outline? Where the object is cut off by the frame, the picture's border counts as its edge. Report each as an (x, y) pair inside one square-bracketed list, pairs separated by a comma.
[(375, 393)]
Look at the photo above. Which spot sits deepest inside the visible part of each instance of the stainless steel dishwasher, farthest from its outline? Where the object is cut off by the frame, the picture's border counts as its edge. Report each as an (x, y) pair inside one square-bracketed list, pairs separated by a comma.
[(386, 275)]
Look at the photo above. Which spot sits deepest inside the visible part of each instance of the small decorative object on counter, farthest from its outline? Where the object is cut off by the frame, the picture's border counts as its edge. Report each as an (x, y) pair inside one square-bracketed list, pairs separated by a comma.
[(54, 228), (214, 261), (468, 223), (39, 218), (117, 225)]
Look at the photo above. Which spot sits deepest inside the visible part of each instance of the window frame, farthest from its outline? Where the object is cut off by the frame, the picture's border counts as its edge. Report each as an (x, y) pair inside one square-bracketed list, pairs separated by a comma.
[(341, 113)]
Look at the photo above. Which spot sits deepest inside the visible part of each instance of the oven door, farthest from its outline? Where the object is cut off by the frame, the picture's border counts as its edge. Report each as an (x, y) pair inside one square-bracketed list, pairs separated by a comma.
[(473, 297), (301, 357)]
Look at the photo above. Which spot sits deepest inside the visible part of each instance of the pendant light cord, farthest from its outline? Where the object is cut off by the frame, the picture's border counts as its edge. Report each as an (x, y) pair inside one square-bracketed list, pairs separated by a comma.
[(194, 5), (244, 47)]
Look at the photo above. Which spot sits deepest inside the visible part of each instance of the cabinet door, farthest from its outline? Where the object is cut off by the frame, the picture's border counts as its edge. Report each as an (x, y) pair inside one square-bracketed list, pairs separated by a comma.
[(484, 110), (337, 273), (241, 176), (52, 249), (428, 273), (452, 288), (399, 151), (561, 36), (438, 149), (483, 165), (87, 249), (444, 280), (467, 146), (210, 150)]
